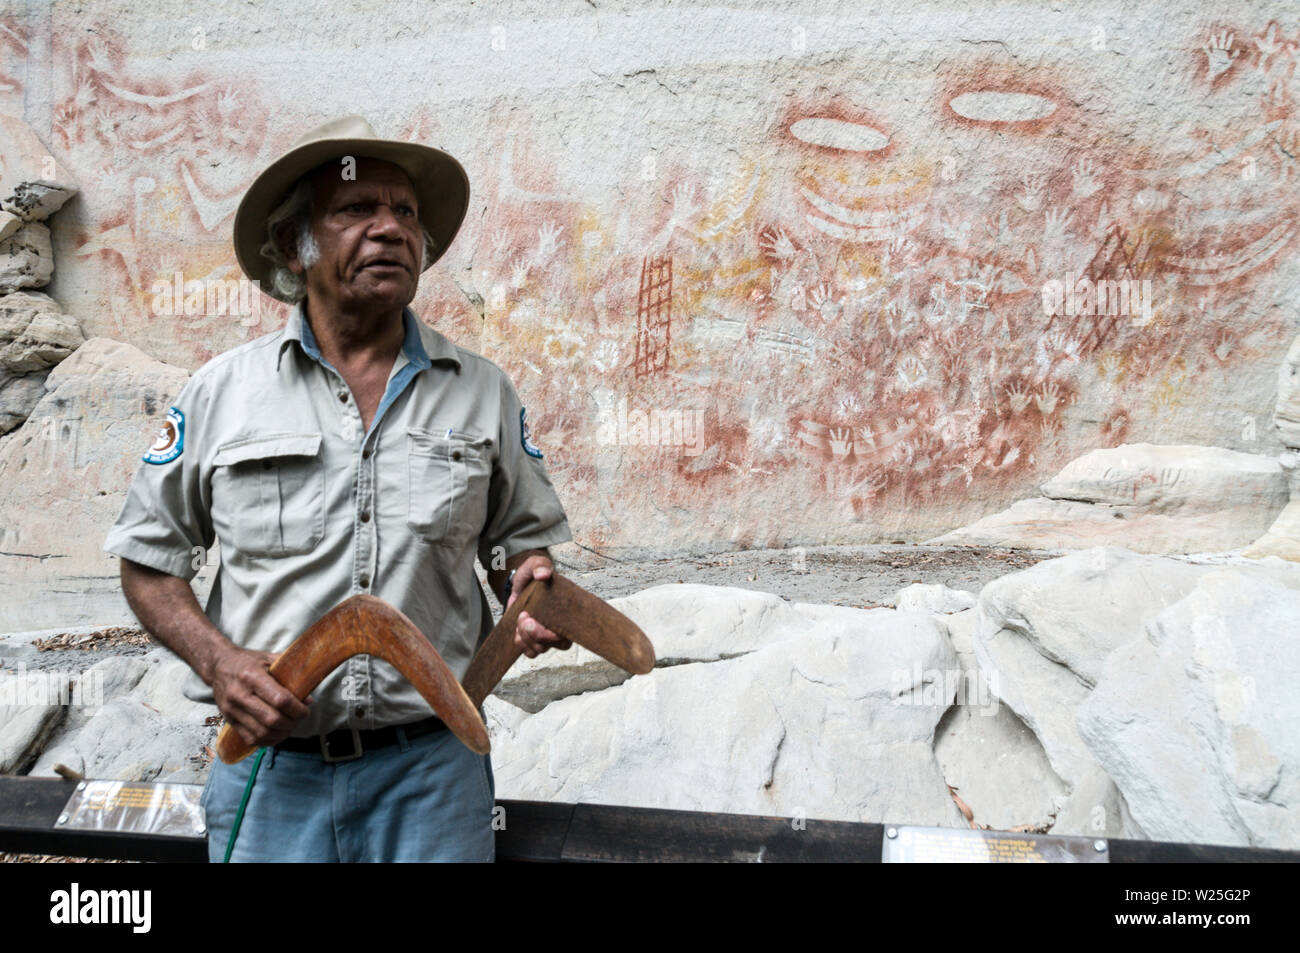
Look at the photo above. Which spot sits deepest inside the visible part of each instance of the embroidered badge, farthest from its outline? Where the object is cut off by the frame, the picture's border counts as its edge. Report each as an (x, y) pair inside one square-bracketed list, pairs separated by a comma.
[(169, 443), (529, 449)]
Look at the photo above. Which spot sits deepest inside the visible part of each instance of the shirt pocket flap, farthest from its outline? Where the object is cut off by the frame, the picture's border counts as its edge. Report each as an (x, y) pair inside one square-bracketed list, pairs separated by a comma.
[(275, 445), (429, 443)]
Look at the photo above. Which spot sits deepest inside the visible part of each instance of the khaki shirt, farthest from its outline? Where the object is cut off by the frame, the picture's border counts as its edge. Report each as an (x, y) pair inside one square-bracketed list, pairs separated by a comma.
[(263, 451)]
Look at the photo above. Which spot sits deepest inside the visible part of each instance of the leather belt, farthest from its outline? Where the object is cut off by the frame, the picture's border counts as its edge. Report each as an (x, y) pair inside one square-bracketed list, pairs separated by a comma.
[(348, 744)]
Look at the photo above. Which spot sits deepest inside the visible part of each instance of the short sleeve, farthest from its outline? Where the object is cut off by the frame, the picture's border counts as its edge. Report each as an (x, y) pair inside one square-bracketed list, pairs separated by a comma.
[(524, 511), (165, 521)]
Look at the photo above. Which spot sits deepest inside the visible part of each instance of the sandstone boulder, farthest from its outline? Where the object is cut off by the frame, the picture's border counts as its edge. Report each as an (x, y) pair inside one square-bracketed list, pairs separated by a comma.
[(33, 186), (1286, 415), (1282, 539), (34, 336), (63, 476), (1195, 720), (989, 757), (1145, 497), (1041, 640), (24, 728), (145, 729), (685, 623), (833, 723), (935, 598), (26, 258)]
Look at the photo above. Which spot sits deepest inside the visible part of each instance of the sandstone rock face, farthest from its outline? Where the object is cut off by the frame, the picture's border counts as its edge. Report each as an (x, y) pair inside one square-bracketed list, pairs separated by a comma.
[(919, 597), (989, 756), (34, 336), (1168, 479), (68, 467), (795, 691), (1040, 641), (833, 719), (26, 258), (1287, 413), (851, 306), (1196, 721), (33, 186), (1283, 537), (1074, 611), (24, 729), (1157, 499), (145, 729), (685, 623), (1045, 638)]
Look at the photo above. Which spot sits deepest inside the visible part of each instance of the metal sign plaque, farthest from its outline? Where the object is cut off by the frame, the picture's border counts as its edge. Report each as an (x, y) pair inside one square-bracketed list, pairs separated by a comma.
[(135, 807), (955, 845)]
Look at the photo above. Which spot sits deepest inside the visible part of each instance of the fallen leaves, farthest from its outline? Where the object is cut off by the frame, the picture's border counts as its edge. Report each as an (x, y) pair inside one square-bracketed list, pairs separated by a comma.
[(112, 637), (1042, 827)]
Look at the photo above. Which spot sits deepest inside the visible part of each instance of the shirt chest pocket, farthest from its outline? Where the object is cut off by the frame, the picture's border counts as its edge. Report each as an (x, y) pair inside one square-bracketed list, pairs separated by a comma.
[(447, 486), (268, 494)]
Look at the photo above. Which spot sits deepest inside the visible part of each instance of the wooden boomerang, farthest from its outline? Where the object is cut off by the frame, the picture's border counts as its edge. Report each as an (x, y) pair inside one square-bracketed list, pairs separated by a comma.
[(365, 625), (567, 610)]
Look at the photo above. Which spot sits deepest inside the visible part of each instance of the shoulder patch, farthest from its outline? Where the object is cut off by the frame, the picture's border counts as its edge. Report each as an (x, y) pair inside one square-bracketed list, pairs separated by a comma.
[(170, 442), (529, 449)]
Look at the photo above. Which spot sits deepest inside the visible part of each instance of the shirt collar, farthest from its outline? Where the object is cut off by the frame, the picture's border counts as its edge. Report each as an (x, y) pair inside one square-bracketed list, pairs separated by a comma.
[(421, 344)]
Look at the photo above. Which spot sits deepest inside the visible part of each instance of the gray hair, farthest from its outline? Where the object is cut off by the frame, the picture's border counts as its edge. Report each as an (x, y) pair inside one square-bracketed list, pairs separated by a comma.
[(295, 212)]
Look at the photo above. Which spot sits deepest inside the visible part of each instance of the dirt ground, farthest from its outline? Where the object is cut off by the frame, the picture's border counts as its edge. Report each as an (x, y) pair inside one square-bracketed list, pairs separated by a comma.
[(863, 576), (836, 575)]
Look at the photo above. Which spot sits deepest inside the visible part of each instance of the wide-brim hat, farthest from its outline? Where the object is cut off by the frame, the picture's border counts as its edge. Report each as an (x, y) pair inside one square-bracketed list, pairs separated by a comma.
[(441, 187)]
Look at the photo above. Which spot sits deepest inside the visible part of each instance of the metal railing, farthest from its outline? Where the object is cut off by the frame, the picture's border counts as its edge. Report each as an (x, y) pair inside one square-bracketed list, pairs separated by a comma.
[(542, 831)]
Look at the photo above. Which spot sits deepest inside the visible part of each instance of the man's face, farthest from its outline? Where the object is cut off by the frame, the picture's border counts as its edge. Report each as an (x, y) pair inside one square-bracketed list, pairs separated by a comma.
[(368, 232)]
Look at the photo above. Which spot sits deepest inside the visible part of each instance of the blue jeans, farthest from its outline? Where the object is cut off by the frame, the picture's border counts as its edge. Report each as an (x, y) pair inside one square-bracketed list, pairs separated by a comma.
[(430, 799)]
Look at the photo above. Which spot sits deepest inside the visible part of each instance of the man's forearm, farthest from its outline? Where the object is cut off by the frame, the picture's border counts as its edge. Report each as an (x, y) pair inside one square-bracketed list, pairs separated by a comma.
[(168, 610)]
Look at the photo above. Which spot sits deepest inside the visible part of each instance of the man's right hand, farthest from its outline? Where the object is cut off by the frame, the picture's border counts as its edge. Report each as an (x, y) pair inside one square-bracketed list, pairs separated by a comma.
[(261, 710)]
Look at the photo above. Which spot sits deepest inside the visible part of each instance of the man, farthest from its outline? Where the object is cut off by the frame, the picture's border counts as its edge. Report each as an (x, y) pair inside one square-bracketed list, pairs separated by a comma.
[(355, 451)]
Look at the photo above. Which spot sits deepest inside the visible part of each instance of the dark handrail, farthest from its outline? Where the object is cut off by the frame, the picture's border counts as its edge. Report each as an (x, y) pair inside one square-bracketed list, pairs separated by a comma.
[(545, 831)]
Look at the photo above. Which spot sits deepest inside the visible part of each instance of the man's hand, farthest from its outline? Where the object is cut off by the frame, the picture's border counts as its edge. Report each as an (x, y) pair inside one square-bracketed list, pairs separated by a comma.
[(261, 710), (531, 636)]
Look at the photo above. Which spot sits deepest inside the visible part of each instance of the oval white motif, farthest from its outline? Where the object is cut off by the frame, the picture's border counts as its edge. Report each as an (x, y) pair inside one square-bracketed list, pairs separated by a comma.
[(990, 106), (839, 134)]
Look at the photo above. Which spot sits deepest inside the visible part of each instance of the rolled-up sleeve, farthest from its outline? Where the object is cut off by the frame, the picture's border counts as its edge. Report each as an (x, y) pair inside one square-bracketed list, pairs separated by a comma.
[(165, 521), (524, 511)]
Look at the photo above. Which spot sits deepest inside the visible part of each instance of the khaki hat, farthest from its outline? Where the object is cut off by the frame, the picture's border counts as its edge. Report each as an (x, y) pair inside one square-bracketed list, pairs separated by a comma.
[(441, 187)]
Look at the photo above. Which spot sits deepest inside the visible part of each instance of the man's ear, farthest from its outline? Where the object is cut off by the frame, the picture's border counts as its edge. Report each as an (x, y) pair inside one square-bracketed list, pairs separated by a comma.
[(286, 237)]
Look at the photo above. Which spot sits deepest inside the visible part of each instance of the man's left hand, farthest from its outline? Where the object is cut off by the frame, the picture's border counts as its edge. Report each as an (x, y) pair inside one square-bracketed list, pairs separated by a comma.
[(531, 636)]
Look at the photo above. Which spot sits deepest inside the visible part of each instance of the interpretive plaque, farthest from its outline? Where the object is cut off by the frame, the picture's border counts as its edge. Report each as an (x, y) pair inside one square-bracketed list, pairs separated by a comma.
[(135, 807), (955, 845)]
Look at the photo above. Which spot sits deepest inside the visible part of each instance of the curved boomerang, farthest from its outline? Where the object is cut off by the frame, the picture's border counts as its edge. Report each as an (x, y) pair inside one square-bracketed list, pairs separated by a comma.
[(366, 625), (568, 610)]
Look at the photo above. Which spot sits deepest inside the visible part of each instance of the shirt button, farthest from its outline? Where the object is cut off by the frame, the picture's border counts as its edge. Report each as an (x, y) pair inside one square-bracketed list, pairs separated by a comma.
[(343, 398), (365, 454), (365, 516), (455, 455), (365, 582), (360, 712)]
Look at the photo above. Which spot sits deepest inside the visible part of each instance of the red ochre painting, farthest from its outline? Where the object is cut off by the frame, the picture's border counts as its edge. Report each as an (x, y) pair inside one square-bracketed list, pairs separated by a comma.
[(860, 320)]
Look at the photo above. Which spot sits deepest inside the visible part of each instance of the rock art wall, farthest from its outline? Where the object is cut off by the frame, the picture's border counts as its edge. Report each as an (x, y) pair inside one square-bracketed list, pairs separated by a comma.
[(765, 274)]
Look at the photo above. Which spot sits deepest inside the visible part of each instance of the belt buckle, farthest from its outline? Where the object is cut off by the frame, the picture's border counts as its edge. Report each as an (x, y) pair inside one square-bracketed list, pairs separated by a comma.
[(332, 759)]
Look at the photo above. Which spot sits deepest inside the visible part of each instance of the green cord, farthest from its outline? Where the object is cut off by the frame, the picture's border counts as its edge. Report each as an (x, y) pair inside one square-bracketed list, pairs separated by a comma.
[(239, 815)]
